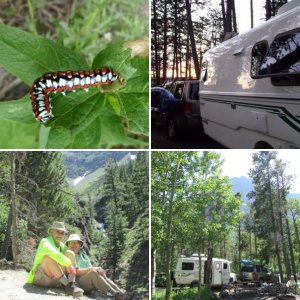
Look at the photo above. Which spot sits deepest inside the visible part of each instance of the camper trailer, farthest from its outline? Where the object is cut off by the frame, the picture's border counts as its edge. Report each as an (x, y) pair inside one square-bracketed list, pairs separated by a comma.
[(187, 271), (250, 85)]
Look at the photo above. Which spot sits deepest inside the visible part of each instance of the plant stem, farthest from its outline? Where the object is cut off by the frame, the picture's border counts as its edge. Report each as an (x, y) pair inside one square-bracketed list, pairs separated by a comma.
[(31, 13)]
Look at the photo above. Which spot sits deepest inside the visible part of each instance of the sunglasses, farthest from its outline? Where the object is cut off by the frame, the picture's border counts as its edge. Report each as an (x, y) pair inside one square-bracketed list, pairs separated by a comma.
[(59, 231)]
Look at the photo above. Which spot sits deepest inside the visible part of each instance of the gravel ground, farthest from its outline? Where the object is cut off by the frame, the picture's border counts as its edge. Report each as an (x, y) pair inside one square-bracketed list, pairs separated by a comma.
[(13, 287), (251, 293)]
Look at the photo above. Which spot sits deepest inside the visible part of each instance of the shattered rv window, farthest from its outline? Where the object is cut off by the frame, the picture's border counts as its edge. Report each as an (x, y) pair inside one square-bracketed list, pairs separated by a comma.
[(283, 57), (258, 53)]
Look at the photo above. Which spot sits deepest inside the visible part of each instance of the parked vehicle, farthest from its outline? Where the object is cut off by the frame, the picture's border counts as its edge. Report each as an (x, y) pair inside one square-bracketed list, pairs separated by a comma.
[(177, 106), (187, 271), (250, 85), (254, 273)]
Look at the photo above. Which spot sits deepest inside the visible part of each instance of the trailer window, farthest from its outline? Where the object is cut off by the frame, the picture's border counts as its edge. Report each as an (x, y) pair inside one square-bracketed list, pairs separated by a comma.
[(258, 53), (283, 56), (187, 266), (178, 91), (248, 269), (225, 266), (217, 265)]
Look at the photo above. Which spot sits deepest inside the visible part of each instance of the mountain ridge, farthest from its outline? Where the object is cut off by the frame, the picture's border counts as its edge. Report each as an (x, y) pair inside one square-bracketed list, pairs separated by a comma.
[(244, 185), (77, 163)]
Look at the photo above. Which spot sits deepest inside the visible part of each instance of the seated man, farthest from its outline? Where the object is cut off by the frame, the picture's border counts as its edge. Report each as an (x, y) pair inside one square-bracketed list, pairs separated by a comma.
[(291, 284), (52, 266), (90, 278)]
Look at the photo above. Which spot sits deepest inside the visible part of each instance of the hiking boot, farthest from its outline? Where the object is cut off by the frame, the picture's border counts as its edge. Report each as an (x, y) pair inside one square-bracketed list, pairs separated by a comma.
[(75, 291), (119, 296)]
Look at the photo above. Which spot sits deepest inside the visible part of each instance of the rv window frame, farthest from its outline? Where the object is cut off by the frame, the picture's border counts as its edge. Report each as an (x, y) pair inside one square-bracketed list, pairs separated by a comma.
[(265, 42), (282, 75), (187, 263)]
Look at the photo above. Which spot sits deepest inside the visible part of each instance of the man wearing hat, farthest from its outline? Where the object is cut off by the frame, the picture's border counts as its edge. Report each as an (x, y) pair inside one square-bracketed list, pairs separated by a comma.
[(90, 278), (52, 266)]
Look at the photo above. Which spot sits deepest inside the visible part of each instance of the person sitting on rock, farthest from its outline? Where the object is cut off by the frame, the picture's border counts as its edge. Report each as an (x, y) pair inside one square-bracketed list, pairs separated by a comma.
[(52, 266), (89, 277), (291, 284)]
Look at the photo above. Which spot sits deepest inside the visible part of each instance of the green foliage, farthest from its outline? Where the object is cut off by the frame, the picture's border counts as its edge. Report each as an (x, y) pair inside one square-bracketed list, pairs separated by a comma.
[(4, 210), (95, 23), (123, 208), (160, 280), (187, 294), (115, 218), (202, 211), (111, 117), (298, 288), (22, 229), (272, 217), (42, 185)]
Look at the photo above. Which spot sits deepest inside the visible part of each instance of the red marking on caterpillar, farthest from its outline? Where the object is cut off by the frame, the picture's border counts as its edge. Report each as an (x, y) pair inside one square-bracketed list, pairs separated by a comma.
[(61, 82)]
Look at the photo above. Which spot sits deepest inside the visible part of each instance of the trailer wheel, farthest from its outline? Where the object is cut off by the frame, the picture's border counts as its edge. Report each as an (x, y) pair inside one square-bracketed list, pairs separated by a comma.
[(194, 284), (262, 145)]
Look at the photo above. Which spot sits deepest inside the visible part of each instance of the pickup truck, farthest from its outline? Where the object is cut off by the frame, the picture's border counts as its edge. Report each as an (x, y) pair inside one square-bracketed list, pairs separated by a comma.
[(177, 106)]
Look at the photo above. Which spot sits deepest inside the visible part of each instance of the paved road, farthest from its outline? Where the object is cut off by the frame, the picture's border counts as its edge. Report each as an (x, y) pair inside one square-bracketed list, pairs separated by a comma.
[(191, 139)]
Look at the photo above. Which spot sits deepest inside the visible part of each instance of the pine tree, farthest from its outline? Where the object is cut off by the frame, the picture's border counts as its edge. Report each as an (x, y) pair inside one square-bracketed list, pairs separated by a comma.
[(116, 222)]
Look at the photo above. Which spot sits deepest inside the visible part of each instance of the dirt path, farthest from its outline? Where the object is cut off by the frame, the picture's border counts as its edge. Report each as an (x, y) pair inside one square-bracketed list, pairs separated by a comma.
[(13, 287)]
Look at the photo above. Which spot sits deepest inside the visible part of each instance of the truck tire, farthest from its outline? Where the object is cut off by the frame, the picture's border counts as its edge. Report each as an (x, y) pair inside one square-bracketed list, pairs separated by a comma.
[(172, 129)]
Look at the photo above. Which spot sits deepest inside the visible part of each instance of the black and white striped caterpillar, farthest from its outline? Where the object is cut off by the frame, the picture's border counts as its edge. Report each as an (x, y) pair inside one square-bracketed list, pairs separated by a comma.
[(64, 81)]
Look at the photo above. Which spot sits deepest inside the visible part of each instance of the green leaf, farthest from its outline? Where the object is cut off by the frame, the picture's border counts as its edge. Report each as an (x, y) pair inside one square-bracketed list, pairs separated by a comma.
[(18, 111), (28, 56), (18, 128), (117, 58), (112, 116), (134, 96), (13, 136), (88, 121)]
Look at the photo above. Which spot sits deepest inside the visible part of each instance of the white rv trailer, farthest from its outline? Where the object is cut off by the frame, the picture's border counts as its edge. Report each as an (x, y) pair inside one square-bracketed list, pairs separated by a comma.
[(187, 271), (250, 85)]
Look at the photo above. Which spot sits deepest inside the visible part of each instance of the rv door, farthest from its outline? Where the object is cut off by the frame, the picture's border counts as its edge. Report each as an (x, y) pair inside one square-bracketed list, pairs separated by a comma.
[(217, 273), (226, 273)]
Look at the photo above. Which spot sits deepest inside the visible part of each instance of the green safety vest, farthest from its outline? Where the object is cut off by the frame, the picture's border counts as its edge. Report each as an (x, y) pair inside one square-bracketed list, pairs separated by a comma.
[(48, 247)]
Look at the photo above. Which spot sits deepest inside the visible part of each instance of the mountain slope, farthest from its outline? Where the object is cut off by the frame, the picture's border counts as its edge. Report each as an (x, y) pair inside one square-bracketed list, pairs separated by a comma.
[(77, 163), (98, 173)]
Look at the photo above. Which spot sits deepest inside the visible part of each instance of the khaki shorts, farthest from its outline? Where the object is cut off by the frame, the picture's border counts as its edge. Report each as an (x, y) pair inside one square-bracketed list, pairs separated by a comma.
[(41, 279)]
